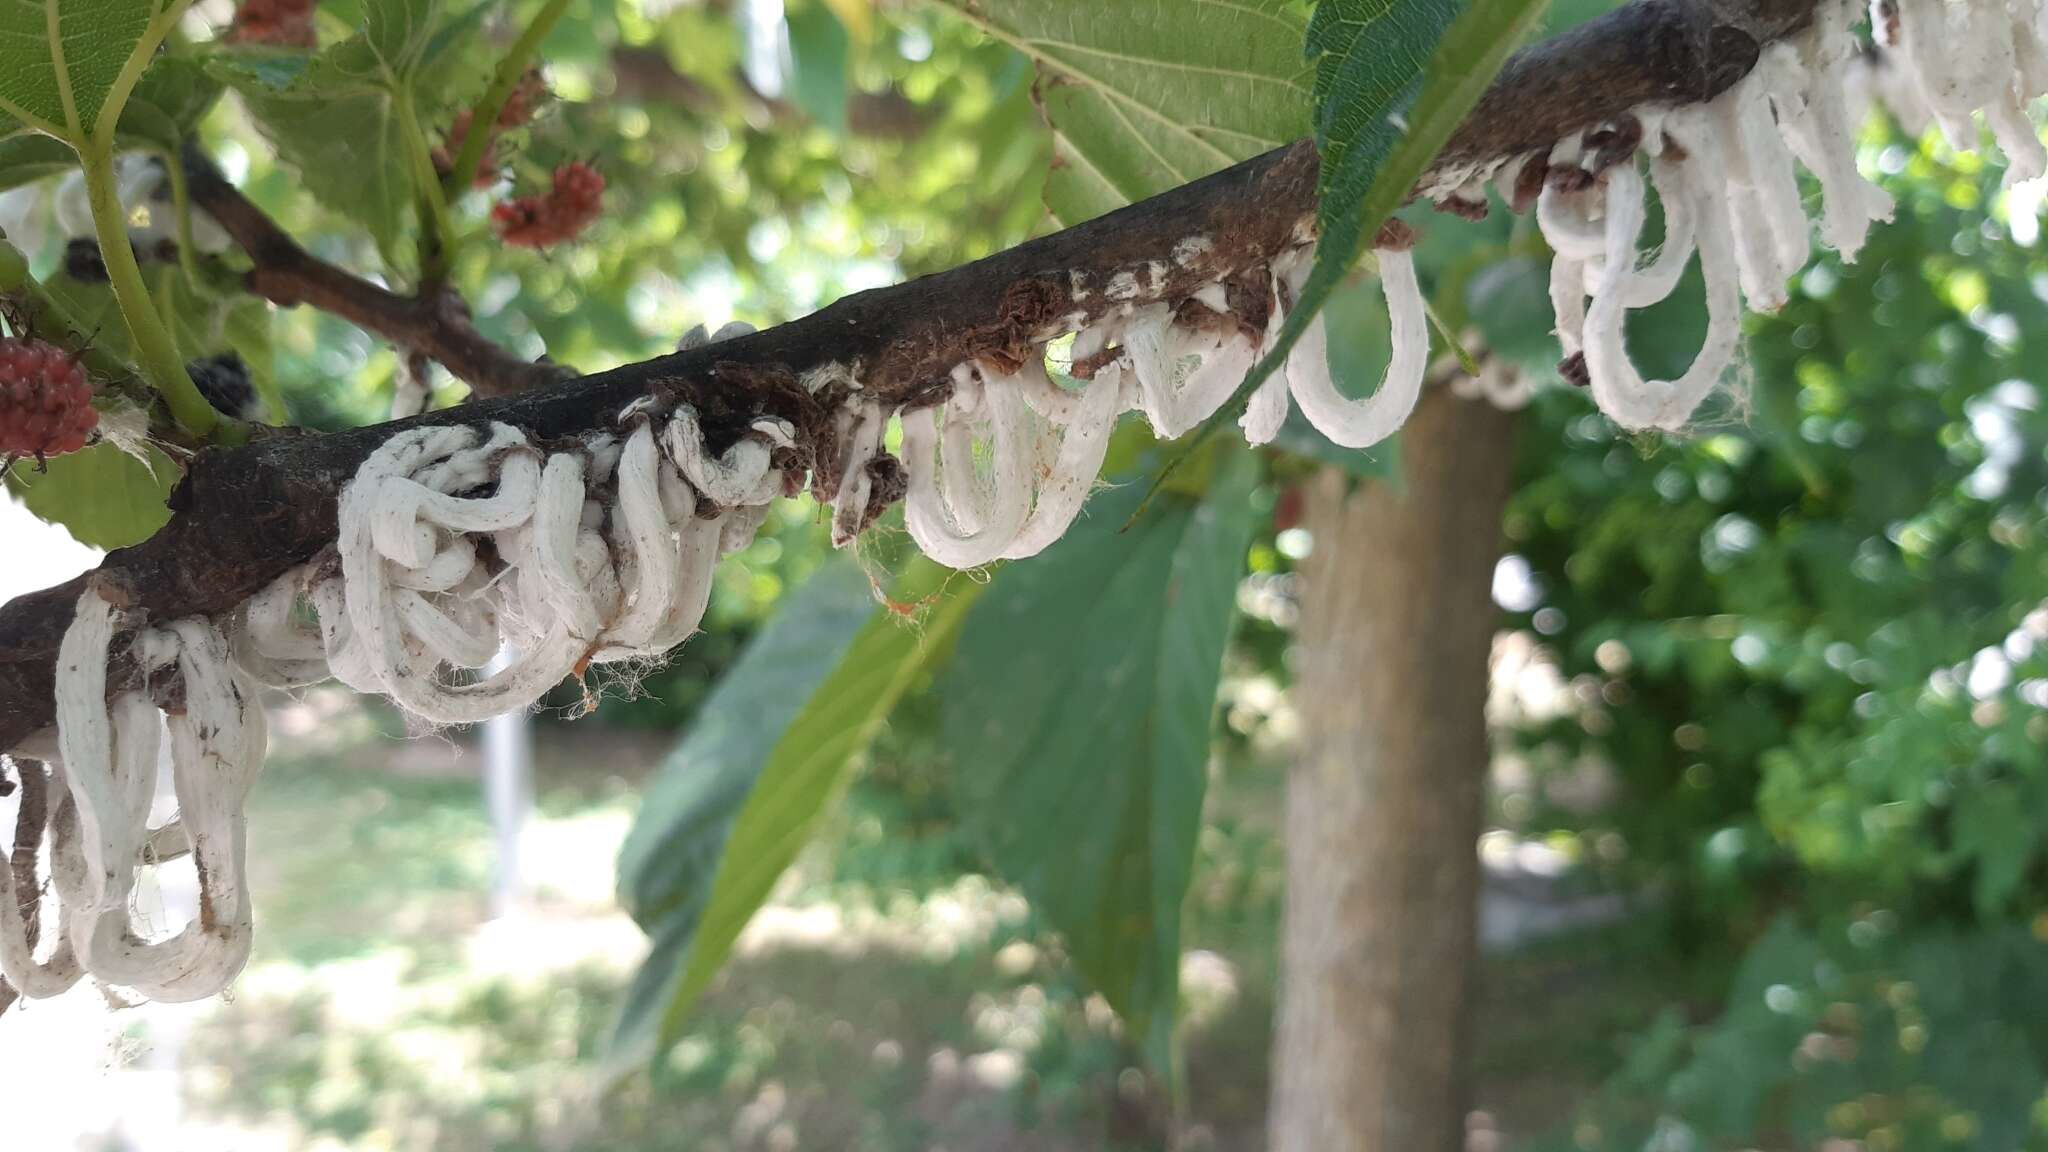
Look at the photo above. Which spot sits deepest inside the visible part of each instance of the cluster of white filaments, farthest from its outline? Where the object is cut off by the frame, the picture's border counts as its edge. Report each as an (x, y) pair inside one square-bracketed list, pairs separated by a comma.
[(1725, 177), (100, 838), (475, 569)]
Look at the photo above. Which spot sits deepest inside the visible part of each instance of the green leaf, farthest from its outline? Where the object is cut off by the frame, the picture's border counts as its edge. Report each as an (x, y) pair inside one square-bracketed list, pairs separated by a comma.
[(452, 64), (28, 157), (1994, 827), (1360, 346), (181, 88), (147, 128), (735, 735), (1509, 302), (67, 54), (1147, 95), (818, 47), (101, 495), (244, 68), (344, 140), (1077, 713), (396, 31), (1372, 54), (200, 325), (246, 328), (335, 117), (740, 797)]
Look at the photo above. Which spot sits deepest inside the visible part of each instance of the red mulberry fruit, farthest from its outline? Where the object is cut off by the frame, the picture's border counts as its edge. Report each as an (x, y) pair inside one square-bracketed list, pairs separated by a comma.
[(45, 400), (279, 23), (539, 221)]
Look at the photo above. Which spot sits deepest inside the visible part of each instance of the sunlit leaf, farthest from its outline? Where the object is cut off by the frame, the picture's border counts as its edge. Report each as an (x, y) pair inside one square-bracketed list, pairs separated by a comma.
[(1077, 716), (818, 47), (335, 117), (101, 495), (1377, 135), (1147, 95), (63, 58), (28, 157), (739, 798)]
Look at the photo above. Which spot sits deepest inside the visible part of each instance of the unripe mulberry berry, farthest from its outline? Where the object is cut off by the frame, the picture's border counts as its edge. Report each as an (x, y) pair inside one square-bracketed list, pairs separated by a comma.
[(539, 221), (45, 401)]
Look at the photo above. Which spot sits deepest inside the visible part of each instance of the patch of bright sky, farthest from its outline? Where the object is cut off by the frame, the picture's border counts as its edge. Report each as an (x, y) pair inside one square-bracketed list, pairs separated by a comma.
[(38, 554)]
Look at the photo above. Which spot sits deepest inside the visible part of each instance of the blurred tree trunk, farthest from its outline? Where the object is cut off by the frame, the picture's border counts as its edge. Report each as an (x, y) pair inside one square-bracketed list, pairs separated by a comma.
[(1384, 807)]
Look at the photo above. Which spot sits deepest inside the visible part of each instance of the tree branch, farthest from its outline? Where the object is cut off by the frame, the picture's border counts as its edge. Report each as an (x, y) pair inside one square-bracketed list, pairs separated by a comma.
[(435, 323), (1644, 52), (243, 517)]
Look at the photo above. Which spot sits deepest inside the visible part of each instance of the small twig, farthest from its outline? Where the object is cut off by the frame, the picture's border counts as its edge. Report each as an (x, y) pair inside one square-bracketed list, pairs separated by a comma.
[(437, 230), (155, 351), (181, 212), (436, 324)]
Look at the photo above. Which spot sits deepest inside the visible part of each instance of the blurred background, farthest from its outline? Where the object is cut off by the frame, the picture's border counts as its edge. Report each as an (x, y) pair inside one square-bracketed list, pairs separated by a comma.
[(1765, 863)]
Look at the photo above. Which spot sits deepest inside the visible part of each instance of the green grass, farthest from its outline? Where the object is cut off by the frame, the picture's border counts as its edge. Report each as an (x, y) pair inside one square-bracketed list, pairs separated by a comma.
[(371, 877), (361, 861)]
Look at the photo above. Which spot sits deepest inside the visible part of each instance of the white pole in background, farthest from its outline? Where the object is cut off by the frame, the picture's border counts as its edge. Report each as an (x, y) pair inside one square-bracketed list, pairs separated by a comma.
[(766, 37), (508, 797)]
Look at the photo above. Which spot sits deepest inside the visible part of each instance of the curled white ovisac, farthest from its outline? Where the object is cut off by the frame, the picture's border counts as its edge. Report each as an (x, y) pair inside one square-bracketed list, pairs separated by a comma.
[(603, 551), (860, 429), (958, 516), (1724, 173), (1045, 446), (60, 969), (99, 828), (1617, 388), (1362, 423)]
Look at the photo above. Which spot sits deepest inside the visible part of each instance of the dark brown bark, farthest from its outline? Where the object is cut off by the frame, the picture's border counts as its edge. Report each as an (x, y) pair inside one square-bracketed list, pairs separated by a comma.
[(244, 516), (1649, 51), (1383, 809)]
